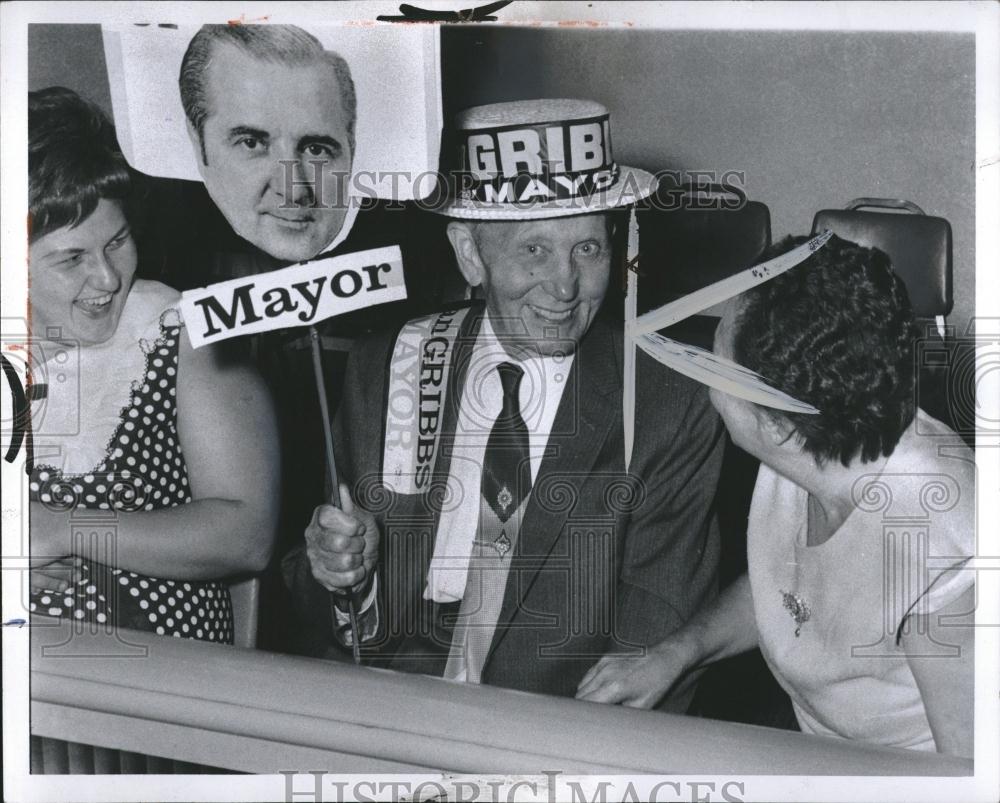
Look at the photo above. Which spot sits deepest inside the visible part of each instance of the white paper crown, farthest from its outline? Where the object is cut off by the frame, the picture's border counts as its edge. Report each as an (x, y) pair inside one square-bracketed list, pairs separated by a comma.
[(697, 363)]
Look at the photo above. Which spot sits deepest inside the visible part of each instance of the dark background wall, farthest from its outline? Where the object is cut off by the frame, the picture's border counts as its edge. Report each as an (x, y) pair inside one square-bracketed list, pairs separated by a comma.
[(813, 118), (70, 56)]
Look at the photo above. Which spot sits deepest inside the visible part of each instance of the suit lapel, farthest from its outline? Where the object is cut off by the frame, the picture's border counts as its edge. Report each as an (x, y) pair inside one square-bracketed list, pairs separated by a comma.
[(589, 409)]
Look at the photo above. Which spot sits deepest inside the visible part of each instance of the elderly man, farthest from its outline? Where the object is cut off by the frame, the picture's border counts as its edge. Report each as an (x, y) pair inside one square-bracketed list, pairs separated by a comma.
[(492, 532)]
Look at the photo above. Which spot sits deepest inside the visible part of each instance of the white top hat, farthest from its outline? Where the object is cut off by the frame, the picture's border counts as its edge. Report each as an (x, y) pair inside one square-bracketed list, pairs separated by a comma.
[(539, 159)]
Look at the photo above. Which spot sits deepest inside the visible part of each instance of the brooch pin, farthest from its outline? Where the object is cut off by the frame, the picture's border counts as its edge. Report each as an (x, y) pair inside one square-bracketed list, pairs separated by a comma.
[(798, 608)]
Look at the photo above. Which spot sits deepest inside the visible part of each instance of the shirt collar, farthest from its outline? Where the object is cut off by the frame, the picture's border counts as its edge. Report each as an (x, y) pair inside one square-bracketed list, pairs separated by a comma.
[(489, 348)]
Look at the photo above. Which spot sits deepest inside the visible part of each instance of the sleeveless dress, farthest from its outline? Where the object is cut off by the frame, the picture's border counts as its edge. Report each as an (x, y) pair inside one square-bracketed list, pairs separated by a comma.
[(829, 615), (140, 467)]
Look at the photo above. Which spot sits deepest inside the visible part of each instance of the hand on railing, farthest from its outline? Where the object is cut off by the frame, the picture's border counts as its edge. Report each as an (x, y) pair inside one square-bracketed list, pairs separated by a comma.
[(55, 576), (638, 681)]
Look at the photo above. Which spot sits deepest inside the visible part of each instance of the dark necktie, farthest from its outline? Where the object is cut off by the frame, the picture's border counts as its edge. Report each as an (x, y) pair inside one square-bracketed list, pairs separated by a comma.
[(506, 466)]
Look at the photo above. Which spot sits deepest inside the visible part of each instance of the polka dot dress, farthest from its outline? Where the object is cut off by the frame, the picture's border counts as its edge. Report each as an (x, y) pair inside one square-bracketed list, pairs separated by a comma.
[(143, 469)]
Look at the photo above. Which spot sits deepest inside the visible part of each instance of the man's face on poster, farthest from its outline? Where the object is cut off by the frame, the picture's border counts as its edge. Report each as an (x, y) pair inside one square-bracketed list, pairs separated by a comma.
[(277, 155)]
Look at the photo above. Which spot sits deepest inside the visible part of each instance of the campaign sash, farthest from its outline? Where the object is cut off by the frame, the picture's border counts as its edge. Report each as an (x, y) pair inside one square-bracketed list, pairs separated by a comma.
[(419, 370)]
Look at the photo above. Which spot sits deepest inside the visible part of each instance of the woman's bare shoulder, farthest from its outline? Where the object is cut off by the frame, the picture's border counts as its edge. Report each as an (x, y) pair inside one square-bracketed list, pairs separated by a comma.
[(938, 473), (931, 445)]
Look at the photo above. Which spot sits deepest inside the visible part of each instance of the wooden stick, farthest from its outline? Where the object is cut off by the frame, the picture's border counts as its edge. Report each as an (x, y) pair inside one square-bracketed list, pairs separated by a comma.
[(331, 468), (324, 410)]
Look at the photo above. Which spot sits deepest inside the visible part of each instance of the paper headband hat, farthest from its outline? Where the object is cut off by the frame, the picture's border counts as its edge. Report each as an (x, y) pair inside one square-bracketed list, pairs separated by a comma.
[(540, 159), (699, 364)]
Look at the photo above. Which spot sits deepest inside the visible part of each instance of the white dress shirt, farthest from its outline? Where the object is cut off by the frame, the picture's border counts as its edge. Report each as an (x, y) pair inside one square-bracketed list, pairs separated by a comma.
[(540, 393)]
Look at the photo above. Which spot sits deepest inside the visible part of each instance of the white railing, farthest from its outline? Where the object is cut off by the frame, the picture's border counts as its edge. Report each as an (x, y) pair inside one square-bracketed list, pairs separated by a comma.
[(254, 711)]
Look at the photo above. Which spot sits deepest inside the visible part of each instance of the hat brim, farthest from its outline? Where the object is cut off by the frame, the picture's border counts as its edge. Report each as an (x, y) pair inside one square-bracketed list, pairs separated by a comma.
[(633, 185)]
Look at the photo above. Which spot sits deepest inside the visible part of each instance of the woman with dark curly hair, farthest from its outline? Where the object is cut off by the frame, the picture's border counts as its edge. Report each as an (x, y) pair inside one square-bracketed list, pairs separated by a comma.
[(859, 526), (134, 421)]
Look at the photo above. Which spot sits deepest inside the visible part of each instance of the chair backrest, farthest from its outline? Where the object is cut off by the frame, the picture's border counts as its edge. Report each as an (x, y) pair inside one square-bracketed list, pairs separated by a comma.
[(689, 239), (245, 595), (918, 245)]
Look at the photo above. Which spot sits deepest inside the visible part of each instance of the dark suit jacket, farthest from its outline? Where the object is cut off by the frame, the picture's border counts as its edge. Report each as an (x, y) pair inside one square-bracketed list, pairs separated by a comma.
[(604, 560)]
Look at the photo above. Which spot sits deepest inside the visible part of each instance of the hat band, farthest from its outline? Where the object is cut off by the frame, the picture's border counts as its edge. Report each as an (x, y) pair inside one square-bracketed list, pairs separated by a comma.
[(537, 162), (525, 188)]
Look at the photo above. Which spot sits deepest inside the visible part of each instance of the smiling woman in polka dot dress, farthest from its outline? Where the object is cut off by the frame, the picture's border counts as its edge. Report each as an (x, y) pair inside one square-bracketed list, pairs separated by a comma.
[(154, 468)]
